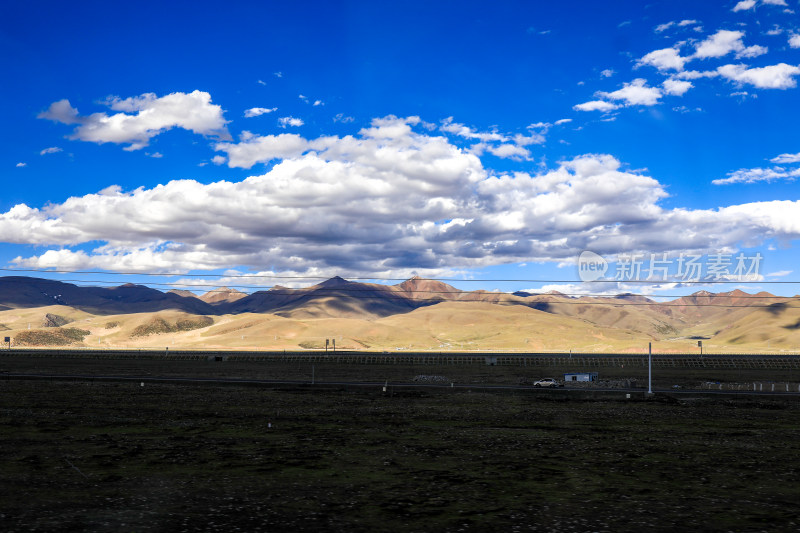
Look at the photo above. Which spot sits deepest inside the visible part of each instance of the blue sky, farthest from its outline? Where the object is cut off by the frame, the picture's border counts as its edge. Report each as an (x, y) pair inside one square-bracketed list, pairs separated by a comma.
[(465, 140)]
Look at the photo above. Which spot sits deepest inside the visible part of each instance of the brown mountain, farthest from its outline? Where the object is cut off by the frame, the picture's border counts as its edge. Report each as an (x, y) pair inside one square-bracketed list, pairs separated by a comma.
[(335, 297), (19, 291), (735, 317), (182, 292), (222, 294)]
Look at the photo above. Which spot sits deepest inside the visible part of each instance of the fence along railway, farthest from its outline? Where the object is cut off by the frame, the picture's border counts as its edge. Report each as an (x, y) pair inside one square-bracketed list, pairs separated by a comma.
[(587, 360)]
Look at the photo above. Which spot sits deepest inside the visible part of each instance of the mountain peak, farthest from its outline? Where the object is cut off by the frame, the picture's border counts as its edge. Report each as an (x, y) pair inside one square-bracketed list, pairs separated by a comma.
[(421, 288), (222, 294), (335, 281)]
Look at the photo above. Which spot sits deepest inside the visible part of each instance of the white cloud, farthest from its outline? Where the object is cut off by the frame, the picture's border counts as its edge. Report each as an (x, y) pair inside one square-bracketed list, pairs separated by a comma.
[(153, 116), (290, 121), (774, 2), (21, 164), (635, 93), (744, 5), (664, 27), (527, 140), (596, 105), (794, 40), (695, 74), (258, 111), (386, 200), (753, 175), (779, 274), (688, 22), (318, 103), (254, 149), (664, 59), (676, 87), (448, 126), (510, 151), (218, 159), (562, 121), (780, 76), (607, 73), (720, 44), (51, 150), (340, 117), (752, 51), (786, 158), (156, 155)]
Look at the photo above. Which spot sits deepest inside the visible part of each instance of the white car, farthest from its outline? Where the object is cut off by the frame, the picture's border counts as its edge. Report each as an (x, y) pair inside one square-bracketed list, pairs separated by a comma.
[(546, 382)]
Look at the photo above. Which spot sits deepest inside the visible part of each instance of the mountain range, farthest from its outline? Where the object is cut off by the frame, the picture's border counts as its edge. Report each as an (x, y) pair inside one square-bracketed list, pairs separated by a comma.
[(415, 314)]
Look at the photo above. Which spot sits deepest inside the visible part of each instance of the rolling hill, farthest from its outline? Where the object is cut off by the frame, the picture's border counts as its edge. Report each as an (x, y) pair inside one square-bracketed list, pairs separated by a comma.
[(415, 314)]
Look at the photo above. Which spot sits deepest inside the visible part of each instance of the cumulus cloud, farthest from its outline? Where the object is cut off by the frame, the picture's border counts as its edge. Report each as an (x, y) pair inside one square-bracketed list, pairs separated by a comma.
[(676, 87), (140, 118), (780, 76), (254, 149), (794, 40), (510, 151), (720, 44), (752, 51), (664, 59), (635, 93), (258, 111), (388, 199), (290, 121)]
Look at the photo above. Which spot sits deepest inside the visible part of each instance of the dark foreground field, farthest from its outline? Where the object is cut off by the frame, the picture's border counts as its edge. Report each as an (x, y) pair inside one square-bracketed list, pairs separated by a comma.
[(121, 457)]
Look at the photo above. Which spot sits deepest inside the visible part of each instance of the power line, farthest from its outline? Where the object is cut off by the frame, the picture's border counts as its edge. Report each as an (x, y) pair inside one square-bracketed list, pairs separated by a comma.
[(460, 280)]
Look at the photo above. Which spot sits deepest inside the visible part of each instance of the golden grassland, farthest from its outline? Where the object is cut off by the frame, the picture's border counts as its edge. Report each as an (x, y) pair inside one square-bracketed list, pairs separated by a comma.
[(447, 326)]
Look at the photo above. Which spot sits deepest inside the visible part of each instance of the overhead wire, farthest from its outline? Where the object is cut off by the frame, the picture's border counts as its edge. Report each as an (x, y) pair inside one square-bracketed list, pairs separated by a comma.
[(460, 280)]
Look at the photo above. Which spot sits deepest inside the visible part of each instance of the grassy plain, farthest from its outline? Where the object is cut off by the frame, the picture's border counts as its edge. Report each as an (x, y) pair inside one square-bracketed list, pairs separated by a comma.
[(441, 327), (118, 456)]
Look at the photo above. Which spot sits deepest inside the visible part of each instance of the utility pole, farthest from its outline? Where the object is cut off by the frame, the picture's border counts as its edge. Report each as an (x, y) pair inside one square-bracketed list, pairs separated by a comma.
[(649, 368)]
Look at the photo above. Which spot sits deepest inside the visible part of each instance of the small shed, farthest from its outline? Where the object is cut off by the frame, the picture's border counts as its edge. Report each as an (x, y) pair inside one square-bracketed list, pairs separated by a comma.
[(580, 376)]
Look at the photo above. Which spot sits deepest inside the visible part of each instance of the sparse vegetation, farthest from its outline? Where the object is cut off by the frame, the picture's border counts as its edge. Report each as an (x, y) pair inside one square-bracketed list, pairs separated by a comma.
[(158, 325), (188, 324), (111, 325), (54, 321), (51, 337), (665, 329)]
